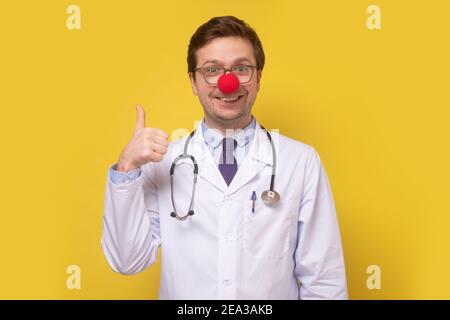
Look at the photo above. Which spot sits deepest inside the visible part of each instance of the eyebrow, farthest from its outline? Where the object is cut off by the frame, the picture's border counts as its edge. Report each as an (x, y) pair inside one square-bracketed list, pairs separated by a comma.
[(235, 61)]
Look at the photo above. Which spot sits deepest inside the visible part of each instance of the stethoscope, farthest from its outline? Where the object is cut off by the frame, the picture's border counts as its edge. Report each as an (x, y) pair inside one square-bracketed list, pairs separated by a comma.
[(269, 197)]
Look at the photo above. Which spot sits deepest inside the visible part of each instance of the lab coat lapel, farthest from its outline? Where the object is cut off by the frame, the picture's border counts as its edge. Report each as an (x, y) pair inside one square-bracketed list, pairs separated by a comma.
[(207, 168), (259, 156)]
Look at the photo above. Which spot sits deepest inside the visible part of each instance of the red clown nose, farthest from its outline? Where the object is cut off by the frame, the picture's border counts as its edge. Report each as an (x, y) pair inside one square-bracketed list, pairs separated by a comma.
[(228, 83)]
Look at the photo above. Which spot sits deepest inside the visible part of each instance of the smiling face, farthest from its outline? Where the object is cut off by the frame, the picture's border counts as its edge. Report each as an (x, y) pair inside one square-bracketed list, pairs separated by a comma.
[(232, 110)]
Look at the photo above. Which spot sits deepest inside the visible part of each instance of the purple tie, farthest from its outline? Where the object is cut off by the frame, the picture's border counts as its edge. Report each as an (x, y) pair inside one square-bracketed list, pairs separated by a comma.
[(228, 164)]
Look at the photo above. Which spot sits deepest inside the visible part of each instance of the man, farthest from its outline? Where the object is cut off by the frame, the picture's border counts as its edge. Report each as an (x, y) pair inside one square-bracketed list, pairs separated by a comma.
[(232, 245)]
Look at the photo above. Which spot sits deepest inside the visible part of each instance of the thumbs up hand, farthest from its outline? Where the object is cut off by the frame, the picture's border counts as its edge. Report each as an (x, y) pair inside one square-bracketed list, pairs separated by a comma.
[(146, 145)]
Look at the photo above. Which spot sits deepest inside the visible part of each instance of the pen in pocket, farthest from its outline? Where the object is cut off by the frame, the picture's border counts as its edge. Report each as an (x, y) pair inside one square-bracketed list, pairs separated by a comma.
[(253, 201)]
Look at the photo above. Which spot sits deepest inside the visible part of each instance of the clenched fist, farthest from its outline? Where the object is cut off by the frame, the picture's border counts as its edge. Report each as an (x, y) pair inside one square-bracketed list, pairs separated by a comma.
[(146, 145)]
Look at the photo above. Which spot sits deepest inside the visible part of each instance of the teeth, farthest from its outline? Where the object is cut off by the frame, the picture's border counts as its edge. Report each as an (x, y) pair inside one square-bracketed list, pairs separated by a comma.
[(229, 99)]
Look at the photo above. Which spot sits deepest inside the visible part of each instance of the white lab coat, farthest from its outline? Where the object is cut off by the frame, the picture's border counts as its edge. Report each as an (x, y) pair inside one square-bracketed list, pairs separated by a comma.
[(225, 251)]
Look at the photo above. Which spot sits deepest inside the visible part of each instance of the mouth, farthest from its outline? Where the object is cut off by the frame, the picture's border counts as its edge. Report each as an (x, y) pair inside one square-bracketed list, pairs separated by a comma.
[(229, 100)]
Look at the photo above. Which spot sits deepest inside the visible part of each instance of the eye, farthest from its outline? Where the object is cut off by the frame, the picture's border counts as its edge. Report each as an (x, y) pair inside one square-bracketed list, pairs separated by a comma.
[(240, 68), (212, 69)]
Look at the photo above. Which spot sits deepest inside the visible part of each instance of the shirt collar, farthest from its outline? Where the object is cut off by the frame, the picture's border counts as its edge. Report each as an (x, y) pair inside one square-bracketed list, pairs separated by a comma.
[(213, 138)]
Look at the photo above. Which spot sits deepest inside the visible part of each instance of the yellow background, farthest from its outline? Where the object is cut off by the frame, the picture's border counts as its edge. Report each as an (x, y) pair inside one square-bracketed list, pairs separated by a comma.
[(373, 103)]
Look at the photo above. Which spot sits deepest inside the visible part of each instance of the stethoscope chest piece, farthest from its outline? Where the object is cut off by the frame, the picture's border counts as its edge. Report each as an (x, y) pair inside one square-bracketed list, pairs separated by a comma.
[(270, 197)]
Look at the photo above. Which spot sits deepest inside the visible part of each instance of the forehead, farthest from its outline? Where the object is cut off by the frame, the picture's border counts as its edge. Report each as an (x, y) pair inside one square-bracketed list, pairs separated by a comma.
[(226, 51)]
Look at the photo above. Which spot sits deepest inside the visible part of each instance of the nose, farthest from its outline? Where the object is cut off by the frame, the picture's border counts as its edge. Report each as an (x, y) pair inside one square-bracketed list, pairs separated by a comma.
[(228, 83)]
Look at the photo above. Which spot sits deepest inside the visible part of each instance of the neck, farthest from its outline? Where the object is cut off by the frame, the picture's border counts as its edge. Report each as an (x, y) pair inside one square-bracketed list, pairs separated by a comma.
[(228, 125)]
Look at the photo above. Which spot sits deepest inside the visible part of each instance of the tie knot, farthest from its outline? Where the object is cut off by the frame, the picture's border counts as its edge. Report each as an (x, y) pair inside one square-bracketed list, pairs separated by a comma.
[(228, 144)]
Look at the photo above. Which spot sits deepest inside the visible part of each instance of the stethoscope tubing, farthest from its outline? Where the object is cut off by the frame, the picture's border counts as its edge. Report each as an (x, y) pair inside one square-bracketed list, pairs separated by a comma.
[(185, 155)]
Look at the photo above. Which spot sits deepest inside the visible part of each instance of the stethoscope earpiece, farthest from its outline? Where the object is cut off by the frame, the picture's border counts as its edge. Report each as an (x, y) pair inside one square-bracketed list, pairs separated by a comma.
[(174, 215)]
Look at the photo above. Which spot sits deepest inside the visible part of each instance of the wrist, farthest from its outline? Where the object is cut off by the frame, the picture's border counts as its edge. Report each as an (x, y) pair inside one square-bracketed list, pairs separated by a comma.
[(124, 166)]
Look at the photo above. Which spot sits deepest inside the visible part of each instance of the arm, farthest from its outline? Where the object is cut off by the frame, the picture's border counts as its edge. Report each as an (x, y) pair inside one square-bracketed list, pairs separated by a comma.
[(319, 256), (131, 236)]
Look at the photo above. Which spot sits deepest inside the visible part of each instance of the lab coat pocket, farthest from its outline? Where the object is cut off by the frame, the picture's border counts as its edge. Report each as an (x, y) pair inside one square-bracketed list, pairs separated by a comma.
[(267, 229)]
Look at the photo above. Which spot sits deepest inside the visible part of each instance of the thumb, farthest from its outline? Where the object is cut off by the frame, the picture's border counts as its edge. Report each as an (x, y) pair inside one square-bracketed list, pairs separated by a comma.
[(140, 117)]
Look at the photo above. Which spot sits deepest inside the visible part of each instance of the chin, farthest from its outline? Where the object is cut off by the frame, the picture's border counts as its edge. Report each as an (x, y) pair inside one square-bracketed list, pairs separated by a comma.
[(228, 114)]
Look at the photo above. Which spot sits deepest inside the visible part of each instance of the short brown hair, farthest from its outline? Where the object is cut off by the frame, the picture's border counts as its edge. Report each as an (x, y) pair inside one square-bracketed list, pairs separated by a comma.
[(226, 26)]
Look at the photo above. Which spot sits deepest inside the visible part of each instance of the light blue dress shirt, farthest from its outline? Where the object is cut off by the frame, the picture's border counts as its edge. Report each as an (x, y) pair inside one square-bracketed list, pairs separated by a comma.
[(213, 140)]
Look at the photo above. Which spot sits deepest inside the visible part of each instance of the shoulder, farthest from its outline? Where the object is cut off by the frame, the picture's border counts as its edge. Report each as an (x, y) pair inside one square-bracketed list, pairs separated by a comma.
[(295, 148), (177, 145), (301, 157), (298, 155)]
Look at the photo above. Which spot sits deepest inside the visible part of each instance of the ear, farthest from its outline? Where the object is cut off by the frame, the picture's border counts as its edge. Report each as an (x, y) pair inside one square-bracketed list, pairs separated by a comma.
[(193, 83), (258, 79)]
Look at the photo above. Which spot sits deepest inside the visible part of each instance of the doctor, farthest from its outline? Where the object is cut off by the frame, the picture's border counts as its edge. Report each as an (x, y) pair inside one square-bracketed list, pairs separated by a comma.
[(234, 246)]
